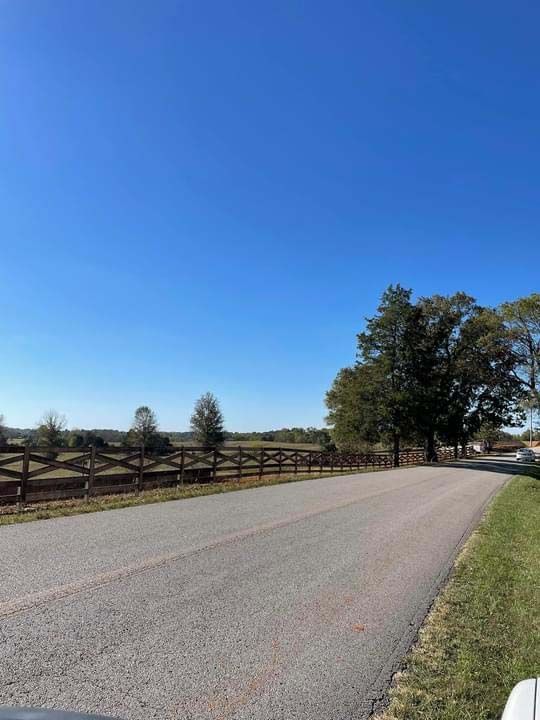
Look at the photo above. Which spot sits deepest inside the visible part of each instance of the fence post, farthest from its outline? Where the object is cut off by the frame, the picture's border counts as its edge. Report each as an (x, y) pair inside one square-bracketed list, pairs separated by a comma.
[(280, 460), (214, 466), (296, 462), (24, 475), (309, 462), (182, 466), (261, 461), (141, 470), (89, 485), (239, 463), (321, 462)]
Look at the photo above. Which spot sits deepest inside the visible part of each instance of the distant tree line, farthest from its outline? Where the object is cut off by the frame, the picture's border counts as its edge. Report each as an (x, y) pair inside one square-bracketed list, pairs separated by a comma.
[(207, 428), (71, 438), (51, 432), (437, 370), (295, 435)]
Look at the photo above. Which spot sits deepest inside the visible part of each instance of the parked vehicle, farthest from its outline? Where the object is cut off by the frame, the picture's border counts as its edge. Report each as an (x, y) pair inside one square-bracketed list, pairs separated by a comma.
[(525, 455), (524, 700)]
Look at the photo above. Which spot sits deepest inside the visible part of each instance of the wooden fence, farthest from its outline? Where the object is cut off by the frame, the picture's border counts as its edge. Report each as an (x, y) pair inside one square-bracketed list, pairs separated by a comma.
[(30, 475)]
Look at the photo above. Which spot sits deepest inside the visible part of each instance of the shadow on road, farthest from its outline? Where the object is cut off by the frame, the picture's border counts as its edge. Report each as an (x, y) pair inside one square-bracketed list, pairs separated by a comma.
[(499, 464)]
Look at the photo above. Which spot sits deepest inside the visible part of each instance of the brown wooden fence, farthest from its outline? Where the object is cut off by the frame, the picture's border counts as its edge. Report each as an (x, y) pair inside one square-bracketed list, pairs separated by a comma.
[(30, 475)]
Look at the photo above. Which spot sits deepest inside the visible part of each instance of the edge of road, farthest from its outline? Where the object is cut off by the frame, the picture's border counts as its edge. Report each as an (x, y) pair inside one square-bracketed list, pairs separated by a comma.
[(378, 699), (69, 508)]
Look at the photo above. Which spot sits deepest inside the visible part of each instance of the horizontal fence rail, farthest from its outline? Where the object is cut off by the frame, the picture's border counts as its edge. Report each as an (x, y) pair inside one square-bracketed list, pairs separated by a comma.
[(29, 475)]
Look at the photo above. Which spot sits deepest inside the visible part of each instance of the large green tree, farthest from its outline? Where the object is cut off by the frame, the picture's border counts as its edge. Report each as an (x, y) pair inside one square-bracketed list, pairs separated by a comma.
[(436, 369), (439, 396), (372, 401), (522, 320), (207, 421), (472, 381), (352, 409), (388, 347)]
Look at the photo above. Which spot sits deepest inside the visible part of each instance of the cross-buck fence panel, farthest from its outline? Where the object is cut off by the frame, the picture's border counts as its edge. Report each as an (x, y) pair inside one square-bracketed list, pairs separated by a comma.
[(30, 475)]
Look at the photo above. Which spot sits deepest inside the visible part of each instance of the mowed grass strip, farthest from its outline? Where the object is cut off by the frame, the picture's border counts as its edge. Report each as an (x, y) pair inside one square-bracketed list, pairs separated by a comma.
[(483, 634), (60, 508)]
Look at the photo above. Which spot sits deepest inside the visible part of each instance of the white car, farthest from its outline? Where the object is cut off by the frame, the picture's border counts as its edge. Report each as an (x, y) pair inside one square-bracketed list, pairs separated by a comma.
[(524, 701), (525, 455)]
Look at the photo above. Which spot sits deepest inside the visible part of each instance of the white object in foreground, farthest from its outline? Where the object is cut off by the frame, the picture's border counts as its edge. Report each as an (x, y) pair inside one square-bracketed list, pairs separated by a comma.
[(524, 701)]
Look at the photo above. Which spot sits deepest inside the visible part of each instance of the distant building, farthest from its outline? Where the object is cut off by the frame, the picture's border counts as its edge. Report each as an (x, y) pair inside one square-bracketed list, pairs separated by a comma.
[(481, 446)]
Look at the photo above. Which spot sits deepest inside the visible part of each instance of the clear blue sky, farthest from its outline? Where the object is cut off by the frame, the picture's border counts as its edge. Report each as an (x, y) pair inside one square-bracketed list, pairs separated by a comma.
[(213, 195)]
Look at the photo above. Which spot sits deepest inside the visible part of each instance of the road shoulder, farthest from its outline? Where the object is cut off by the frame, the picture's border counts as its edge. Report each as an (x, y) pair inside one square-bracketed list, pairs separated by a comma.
[(483, 633)]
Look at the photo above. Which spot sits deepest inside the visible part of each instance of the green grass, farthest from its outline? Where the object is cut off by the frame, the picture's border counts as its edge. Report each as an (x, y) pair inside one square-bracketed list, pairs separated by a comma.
[(483, 634), (60, 508)]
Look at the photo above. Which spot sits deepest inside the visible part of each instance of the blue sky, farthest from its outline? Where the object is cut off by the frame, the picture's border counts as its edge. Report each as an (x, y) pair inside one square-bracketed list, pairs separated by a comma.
[(213, 195)]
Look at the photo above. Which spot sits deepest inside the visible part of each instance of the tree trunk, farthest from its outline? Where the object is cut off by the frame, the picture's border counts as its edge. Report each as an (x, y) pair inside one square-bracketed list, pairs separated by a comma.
[(430, 452), (396, 440), (456, 450)]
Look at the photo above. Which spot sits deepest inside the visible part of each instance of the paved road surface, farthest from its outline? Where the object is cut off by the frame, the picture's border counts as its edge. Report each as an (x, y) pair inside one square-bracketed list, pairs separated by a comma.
[(292, 601)]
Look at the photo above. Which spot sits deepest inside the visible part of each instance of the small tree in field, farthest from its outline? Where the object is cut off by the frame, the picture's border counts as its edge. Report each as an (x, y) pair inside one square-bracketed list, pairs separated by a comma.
[(145, 425), (144, 431), (50, 432), (207, 421)]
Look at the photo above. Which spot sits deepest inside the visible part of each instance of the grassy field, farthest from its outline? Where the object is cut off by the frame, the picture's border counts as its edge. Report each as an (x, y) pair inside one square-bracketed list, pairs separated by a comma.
[(60, 508), (483, 634), (269, 444), (227, 443)]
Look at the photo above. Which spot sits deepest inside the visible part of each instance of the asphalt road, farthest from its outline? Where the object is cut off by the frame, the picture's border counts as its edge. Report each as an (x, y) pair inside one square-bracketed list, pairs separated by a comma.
[(291, 601)]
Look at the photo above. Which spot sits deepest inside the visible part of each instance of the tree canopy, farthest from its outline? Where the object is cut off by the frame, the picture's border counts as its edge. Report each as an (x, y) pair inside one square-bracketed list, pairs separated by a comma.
[(144, 431), (207, 421), (50, 431), (434, 370), (522, 320)]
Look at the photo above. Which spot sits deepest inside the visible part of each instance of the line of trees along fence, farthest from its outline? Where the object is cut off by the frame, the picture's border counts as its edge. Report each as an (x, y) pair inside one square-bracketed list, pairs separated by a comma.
[(37, 474)]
